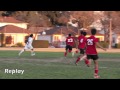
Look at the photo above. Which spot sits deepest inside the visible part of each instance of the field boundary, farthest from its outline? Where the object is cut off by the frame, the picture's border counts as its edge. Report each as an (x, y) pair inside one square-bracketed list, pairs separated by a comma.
[(58, 49)]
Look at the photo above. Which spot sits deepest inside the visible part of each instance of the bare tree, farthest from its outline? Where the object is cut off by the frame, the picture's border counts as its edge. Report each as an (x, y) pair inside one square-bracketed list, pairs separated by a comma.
[(85, 18), (114, 16)]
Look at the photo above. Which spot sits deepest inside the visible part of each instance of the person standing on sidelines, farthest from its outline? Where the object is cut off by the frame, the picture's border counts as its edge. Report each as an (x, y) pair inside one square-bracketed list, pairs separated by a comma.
[(70, 41), (91, 51), (81, 42), (28, 46)]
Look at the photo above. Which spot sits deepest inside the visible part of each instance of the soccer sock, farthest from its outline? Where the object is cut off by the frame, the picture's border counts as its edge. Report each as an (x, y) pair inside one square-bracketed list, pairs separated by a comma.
[(86, 61), (32, 52), (21, 51), (96, 71), (65, 54), (78, 59)]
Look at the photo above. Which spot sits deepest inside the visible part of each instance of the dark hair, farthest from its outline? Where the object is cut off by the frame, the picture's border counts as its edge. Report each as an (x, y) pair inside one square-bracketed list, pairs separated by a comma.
[(81, 32), (84, 33), (93, 31), (69, 34), (31, 35)]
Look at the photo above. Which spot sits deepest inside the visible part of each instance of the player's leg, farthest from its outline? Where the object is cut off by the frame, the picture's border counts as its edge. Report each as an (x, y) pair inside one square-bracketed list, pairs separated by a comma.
[(88, 60), (84, 56), (79, 57), (23, 50), (96, 66), (66, 50), (70, 49), (32, 51)]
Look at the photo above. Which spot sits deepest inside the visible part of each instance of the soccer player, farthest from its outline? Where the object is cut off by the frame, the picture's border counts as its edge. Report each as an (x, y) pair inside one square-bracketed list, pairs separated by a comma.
[(28, 46), (81, 42), (91, 51), (70, 41)]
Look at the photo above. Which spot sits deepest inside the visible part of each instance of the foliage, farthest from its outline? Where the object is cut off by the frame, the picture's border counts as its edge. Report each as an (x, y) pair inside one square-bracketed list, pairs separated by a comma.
[(19, 44), (40, 44), (84, 18), (118, 45), (104, 44), (51, 18)]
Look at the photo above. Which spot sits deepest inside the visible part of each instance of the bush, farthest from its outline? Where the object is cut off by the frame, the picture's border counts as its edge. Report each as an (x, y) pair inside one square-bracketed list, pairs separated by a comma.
[(118, 45), (19, 44), (40, 44), (104, 44)]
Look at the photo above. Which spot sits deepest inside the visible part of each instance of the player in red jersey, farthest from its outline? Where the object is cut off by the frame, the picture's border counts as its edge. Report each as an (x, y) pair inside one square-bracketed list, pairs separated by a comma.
[(91, 51), (70, 41), (81, 46)]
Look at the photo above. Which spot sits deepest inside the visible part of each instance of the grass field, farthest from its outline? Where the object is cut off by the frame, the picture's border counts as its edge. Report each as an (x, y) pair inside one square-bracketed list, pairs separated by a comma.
[(52, 65)]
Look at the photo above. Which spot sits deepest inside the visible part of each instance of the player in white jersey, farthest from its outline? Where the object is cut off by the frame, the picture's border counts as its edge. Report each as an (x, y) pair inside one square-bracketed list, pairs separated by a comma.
[(28, 46)]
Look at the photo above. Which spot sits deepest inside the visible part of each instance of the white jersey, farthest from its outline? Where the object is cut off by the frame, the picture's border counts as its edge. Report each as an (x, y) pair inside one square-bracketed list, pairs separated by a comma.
[(29, 43), (30, 40)]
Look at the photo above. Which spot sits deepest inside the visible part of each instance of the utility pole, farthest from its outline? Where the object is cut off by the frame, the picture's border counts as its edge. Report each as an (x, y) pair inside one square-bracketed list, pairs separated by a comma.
[(110, 34)]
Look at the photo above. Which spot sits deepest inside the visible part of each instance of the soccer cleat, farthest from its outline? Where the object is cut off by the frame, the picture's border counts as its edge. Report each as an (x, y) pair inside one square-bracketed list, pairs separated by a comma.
[(76, 63), (33, 54), (96, 76)]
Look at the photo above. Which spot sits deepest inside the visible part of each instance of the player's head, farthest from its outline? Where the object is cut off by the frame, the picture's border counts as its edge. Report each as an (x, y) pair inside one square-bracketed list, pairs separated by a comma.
[(69, 35), (81, 32), (93, 31), (31, 35), (84, 33)]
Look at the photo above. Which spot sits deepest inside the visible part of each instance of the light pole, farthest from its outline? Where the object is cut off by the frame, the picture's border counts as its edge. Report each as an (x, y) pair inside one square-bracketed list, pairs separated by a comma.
[(110, 34)]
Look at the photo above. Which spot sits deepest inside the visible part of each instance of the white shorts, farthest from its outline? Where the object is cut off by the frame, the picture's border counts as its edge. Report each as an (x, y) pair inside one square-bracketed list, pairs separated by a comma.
[(27, 46)]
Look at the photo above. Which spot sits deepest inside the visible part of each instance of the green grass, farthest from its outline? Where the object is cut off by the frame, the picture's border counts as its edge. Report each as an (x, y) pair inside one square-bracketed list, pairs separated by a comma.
[(52, 65)]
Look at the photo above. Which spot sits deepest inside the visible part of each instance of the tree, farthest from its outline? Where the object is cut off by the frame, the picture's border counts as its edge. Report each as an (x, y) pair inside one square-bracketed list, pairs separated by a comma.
[(115, 17), (85, 18)]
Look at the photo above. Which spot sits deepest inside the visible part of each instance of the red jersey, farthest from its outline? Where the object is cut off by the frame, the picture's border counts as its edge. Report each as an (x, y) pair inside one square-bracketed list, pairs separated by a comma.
[(70, 41), (82, 41), (91, 46)]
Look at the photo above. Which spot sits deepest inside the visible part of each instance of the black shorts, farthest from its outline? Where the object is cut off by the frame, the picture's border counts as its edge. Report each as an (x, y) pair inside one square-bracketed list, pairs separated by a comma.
[(94, 57), (82, 51), (68, 47)]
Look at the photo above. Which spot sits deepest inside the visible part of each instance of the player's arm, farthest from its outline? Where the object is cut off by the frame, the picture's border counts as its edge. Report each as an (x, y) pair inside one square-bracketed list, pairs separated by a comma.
[(85, 43), (33, 38), (100, 46), (66, 41)]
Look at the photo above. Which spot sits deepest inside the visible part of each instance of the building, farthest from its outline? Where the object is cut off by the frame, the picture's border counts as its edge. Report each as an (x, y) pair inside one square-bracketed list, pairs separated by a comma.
[(59, 34), (12, 21), (17, 34)]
